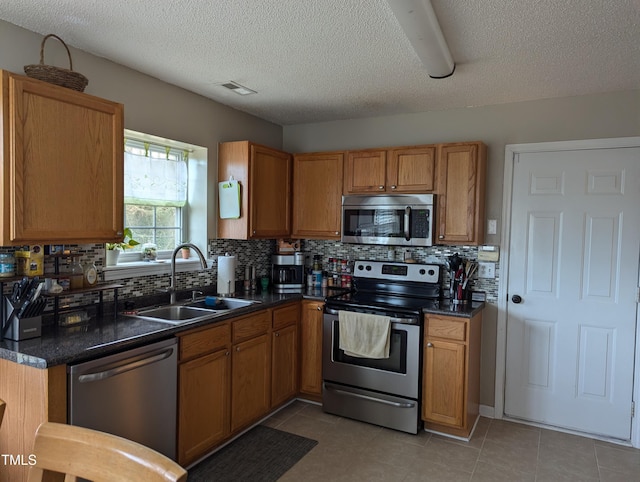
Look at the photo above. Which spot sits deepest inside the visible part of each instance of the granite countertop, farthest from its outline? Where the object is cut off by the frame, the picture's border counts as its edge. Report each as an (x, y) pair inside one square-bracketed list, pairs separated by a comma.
[(110, 334)]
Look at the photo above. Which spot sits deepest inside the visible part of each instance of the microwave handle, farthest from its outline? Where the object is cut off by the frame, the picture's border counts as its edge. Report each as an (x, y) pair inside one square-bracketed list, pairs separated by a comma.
[(407, 219)]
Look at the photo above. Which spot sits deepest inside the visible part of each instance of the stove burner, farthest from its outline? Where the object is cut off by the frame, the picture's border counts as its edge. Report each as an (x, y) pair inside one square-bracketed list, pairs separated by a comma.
[(375, 292)]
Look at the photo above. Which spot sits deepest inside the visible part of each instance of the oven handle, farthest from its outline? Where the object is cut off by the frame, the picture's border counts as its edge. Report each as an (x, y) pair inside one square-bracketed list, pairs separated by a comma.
[(402, 321), (407, 220), (332, 388)]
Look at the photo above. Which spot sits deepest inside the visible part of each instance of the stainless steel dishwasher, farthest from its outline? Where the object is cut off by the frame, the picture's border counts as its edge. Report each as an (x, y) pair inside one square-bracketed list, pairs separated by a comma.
[(131, 394)]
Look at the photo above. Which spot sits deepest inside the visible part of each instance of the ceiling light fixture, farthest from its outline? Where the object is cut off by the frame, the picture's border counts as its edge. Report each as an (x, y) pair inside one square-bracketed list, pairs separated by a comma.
[(420, 24), (238, 89)]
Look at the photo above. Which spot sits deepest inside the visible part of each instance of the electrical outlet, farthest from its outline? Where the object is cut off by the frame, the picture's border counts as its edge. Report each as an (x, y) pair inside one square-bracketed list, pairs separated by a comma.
[(487, 270)]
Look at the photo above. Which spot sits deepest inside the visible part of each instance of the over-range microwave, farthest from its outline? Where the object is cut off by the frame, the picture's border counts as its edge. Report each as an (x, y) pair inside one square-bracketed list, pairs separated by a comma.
[(397, 219)]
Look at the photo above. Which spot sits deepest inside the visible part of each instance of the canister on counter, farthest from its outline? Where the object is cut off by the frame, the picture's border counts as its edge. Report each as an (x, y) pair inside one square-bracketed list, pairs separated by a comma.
[(22, 262), (7, 265)]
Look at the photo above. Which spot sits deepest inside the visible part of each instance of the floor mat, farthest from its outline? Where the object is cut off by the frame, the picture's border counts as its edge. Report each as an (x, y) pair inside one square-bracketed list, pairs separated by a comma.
[(263, 454)]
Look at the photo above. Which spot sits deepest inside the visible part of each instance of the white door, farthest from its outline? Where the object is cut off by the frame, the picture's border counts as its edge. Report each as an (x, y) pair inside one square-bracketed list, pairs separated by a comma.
[(573, 262)]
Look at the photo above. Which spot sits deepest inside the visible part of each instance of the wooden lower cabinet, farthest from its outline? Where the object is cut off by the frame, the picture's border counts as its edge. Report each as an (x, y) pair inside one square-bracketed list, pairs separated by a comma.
[(311, 349), (204, 374), (451, 374), (250, 381), (232, 374), (284, 354), (33, 396), (250, 368), (204, 405)]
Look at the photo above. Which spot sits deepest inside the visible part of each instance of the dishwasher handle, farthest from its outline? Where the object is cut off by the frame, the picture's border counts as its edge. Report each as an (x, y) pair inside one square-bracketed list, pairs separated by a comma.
[(112, 372)]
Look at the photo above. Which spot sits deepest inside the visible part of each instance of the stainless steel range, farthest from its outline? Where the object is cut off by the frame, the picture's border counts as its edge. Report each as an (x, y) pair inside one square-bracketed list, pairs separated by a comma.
[(383, 391)]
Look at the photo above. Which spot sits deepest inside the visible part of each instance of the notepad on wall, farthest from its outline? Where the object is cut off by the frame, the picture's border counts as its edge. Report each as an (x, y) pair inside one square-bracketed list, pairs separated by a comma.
[(229, 199)]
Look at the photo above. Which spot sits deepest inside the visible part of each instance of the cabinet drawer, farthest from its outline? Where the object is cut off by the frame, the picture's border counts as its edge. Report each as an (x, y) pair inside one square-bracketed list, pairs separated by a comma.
[(285, 316), (204, 341), (449, 328), (251, 325)]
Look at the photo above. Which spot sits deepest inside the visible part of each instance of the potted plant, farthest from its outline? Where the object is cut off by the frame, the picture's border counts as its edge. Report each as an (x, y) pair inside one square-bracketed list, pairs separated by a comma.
[(113, 249), (186, 251)]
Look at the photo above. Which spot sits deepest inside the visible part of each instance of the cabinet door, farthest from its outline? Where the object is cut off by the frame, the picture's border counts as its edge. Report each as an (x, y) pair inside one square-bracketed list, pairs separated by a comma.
[(444, 383), (63, 170), (311, 348), (250, 381), (461, 191), (203, 405), (411, 169), (284, 361), (317, 195), (270, 193), (365, 171)]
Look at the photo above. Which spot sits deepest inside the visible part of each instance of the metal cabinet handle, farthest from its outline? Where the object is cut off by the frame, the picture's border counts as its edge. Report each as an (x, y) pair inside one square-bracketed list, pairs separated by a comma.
[(227, 353), (516, 299), (441, 236), (337, 233), (319, 308), (381, 187), (237, 348), (393, 187), (430, 345), (277, 334)]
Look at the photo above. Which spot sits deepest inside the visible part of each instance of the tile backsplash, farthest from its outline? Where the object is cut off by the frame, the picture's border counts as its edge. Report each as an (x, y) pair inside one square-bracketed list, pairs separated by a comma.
[(258, 253)]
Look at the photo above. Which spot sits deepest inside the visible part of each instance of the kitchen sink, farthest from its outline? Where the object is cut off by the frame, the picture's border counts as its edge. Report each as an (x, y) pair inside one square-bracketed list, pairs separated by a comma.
[(192, 311), (222, 304), (174, 313)]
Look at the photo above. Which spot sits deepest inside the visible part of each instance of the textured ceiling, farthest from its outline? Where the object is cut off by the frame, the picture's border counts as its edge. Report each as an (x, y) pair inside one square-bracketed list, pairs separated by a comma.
[(323, 60)]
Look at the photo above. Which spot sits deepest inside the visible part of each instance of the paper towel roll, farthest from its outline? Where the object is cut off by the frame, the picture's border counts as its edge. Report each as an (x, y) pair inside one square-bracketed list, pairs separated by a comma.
[(226, 275)]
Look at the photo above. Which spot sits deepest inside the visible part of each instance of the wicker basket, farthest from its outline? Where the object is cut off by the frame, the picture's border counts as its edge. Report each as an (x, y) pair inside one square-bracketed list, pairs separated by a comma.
[(56, 75)]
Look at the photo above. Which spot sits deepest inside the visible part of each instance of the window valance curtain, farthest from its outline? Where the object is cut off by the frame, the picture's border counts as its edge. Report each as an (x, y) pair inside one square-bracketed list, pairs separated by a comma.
[(155, 175)]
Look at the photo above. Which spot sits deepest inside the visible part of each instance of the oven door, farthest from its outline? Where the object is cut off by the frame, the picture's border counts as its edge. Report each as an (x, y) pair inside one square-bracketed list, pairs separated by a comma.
[(399, 374)]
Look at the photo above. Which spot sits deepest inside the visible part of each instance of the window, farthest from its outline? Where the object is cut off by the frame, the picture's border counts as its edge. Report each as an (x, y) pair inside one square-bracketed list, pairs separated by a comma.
[(155, 193)]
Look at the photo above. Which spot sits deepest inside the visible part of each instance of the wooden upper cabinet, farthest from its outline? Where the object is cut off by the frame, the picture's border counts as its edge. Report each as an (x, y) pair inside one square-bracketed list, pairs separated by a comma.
[(265, 185), (394, 170), (411, 169), (62, 164), (317, 195), (365, 171), (460, 201)]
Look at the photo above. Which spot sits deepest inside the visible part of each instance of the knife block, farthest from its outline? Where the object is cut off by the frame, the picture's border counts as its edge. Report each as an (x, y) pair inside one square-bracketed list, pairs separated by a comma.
[(19, 328)]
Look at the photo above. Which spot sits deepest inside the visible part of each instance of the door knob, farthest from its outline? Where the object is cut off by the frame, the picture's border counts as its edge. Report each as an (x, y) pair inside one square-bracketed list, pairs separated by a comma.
[(516, 299)]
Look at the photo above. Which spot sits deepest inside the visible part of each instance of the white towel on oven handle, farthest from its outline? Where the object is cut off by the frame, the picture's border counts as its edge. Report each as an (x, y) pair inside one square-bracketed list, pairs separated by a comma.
[(364, 335)]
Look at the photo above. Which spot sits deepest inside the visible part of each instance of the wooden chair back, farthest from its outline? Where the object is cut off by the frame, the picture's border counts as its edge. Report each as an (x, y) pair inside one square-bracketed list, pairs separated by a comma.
[(3, 405), (98, 456)]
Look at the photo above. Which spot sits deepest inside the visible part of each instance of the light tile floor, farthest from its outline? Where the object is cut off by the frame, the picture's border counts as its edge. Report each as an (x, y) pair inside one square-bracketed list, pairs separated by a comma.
[(348, 450)]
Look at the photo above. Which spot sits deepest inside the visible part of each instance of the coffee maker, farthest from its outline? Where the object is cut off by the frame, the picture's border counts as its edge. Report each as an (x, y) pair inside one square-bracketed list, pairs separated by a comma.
[(287, 273)]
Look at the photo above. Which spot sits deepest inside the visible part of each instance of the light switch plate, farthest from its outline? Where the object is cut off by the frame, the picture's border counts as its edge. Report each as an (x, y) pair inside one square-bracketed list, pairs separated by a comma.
[(492, 226), (487, 270)]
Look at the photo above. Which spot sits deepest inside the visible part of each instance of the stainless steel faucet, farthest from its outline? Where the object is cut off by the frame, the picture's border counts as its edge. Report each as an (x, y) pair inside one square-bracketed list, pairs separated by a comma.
[(203, 262)]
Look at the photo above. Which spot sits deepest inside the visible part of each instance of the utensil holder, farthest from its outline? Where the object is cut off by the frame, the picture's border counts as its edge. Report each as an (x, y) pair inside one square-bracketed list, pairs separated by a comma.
[(22, 328)]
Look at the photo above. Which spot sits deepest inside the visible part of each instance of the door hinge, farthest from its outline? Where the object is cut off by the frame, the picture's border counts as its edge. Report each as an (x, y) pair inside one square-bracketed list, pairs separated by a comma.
[(638, 295), (633, 409)]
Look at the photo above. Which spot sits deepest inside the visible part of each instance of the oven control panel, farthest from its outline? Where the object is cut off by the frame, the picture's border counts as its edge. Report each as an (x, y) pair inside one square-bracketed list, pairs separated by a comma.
[(425, 273)]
